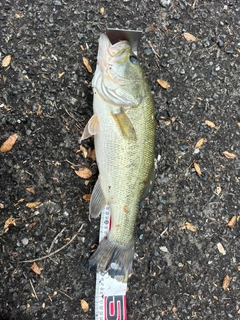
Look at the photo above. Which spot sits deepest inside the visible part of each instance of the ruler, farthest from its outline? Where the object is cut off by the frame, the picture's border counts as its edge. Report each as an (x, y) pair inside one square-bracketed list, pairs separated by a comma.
[(110, 294)]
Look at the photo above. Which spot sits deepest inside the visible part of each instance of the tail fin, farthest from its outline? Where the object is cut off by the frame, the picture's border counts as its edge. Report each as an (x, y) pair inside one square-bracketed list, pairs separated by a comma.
[(113, 257)]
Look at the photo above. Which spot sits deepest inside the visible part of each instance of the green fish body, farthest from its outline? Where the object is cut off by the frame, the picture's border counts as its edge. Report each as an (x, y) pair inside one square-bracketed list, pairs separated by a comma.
[(123, 126)]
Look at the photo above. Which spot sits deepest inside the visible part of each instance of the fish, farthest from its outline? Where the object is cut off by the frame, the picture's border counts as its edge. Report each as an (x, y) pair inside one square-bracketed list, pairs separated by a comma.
[(123, 126)]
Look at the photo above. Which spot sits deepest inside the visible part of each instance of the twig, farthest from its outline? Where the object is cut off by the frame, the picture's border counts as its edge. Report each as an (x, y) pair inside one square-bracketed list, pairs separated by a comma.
[(194, 4), (33, 289), (70, 115), (163, 232), (71, 298), (156, 54), (56, 251), (74, 165), (54, 240)]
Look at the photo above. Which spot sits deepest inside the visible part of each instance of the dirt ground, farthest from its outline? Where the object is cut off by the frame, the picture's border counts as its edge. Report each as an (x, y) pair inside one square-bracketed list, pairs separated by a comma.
[(187, 255)]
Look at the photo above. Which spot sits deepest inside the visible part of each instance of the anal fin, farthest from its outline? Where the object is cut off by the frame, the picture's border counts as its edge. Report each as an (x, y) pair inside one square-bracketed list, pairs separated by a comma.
[(97, 201)]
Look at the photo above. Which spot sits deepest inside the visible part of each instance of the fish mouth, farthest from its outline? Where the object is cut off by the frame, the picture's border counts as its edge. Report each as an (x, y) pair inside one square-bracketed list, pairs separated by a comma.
[(103, 52), (108, 52)]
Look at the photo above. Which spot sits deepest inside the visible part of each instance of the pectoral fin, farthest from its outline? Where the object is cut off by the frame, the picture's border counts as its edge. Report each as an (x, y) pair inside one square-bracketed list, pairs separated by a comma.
[(92, 128), (98, 201), (124, 125)]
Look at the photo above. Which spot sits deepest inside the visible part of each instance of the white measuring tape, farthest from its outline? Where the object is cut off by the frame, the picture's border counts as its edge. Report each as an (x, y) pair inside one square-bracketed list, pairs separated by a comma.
[(110, 294)]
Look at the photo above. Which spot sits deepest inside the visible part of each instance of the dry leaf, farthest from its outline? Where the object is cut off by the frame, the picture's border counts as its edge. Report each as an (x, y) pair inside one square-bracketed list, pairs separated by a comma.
[(9, 222), (200, 143), (84, 173), (32, 225), (101, 10), (218, 190), (9, 143), (221, 249), (174, 309), (210, 123), (84, 305), (229, 155), (83, 150), (33, 204), (226, 282), (238, 124), (197, 168), (87, 64), (164, 84), (189, 37), (91, 154), (167, 123), (189, 226), (86, 197), (35, 268), (31, 190), (39, 110), (6, 61), (232, 221)]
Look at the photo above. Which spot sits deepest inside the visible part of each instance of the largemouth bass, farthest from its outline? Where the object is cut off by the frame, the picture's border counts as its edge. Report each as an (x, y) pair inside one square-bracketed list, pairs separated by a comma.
[(123, 126)]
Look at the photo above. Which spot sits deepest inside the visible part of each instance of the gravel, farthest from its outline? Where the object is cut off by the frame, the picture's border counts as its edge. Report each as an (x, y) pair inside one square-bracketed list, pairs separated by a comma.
[(46, 99)]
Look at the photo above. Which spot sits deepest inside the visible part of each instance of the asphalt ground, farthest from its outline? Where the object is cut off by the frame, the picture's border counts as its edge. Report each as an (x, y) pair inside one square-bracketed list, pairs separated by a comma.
[(187, 259)]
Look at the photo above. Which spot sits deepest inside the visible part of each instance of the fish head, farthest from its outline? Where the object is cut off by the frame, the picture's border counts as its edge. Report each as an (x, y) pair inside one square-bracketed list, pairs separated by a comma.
[(119, 77)]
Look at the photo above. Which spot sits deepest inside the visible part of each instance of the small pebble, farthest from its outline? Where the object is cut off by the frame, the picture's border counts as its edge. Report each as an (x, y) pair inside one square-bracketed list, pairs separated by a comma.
[(24, 241), (148, 51)]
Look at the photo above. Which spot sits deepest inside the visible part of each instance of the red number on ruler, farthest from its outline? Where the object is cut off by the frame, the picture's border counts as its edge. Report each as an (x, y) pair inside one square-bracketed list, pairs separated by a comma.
[(115, 308)]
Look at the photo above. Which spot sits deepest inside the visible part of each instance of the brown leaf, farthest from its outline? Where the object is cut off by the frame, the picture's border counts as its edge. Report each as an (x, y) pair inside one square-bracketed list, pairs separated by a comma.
[(84, 305), (229, 155), (30, 190), (232, 221), (84, 173), (9, 143), (35, 268), (200, 143), (167, 123), (86, 197), (174, 309), (9, 222), (210, 123), (189, 37), (6, 61), (83, 150), (197, 168), (226, 282), (218, 190), (189, 226), (87, 64), (39, 110), (33, 204), (91, 154), (164, 84), (221, 248)]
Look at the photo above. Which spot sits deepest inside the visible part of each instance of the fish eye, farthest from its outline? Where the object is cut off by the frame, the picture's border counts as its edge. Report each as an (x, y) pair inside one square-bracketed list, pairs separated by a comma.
[(133, 59)]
